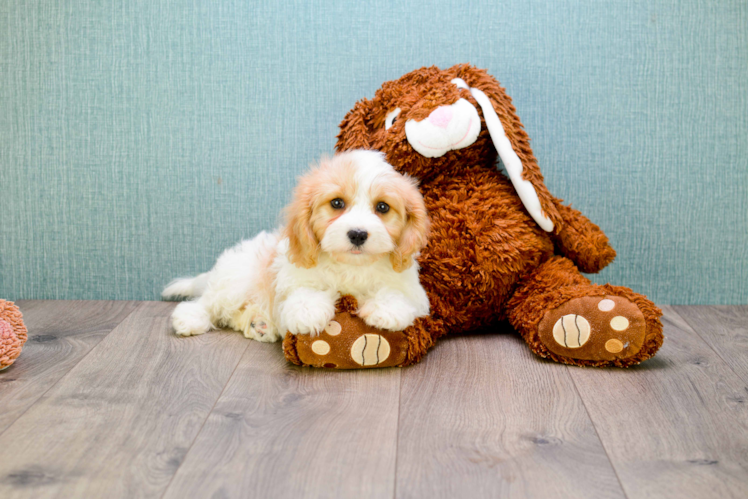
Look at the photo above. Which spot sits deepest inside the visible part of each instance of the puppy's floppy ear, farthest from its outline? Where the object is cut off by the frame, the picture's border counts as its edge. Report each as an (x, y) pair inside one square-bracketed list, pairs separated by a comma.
[(414, 235), (303, 247), (517, 156), (354, 129)]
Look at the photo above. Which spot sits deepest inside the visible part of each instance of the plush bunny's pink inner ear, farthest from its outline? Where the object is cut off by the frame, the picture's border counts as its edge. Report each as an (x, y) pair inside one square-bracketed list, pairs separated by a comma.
[(509, 158)]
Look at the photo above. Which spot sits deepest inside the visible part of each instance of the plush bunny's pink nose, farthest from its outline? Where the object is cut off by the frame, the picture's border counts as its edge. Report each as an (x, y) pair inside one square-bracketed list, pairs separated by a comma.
[(441, 116)]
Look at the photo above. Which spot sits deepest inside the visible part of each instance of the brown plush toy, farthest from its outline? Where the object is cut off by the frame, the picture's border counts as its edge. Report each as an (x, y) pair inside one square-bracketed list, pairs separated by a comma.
[(501, 246), (347, 343), (13, 333)]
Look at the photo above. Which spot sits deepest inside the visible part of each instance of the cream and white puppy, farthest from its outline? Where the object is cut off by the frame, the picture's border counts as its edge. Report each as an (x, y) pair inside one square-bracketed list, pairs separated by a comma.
[(354, 227)]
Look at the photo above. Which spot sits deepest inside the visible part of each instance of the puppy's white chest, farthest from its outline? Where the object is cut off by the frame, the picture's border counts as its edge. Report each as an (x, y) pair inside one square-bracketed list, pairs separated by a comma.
[(359, 281)]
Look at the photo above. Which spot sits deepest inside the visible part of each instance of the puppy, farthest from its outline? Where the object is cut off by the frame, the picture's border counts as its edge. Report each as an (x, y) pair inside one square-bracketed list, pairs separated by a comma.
[(354, 227)]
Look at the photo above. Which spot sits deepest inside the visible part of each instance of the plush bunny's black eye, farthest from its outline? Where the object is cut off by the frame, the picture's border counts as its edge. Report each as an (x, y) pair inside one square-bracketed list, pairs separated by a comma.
[(382, 207), (337, 203), (390, 118)]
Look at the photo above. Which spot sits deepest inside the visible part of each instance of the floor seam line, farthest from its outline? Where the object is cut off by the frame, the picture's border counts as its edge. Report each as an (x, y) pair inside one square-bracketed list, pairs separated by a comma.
[(70, 370), (207, 416), (397, 434), (695, 331), (597, 433)]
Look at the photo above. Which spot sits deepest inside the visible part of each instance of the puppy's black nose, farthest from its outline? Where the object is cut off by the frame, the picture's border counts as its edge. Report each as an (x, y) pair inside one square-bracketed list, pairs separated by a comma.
[(357, 236)]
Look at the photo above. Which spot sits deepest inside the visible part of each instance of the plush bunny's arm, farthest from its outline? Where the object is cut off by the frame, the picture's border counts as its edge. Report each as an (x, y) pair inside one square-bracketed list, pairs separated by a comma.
[(582, 241)]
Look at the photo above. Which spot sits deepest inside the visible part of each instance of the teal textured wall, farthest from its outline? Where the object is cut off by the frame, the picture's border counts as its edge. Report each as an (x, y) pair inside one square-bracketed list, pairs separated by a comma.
[(140, 138)]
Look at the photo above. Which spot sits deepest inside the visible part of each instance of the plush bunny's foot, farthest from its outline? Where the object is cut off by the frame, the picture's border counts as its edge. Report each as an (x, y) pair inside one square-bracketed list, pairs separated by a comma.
[(564, 317), (596, 328), (347, 342)]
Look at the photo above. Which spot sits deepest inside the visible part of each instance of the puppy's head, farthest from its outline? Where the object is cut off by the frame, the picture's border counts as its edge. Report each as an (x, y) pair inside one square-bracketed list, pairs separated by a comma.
[(357, 209)]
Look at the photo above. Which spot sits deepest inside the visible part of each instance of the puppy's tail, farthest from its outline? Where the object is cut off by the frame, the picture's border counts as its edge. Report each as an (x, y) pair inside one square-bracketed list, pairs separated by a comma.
[(186, 287)]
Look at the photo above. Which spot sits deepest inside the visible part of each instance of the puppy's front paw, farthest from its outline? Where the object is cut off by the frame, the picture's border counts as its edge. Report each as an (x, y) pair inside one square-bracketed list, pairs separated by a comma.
[(308, 321), (387, 314), (307, 313)]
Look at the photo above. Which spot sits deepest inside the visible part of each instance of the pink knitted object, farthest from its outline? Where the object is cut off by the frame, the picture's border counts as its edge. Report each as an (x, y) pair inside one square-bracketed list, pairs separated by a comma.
[(13, 333)]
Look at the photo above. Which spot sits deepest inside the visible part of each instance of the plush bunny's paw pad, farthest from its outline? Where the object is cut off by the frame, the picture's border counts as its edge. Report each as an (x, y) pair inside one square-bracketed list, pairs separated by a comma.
[(347, 342), (597, 328)]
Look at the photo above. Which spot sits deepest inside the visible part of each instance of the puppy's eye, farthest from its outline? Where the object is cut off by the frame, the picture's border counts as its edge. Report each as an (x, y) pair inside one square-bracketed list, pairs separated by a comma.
[(382, 207), (391, 117), (337, 203)]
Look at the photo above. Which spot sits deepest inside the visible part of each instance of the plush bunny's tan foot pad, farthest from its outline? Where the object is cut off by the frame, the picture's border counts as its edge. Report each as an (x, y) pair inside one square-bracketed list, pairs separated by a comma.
[(594, 328), (347, 343)]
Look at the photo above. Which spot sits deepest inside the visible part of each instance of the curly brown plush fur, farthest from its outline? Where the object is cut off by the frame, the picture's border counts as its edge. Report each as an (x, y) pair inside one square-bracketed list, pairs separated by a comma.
[(487, 259), (13, 333)]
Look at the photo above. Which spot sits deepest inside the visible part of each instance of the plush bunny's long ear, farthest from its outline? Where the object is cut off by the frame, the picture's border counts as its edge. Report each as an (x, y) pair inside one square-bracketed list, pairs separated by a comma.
[(511, 161), (513, 145), (354, 131)]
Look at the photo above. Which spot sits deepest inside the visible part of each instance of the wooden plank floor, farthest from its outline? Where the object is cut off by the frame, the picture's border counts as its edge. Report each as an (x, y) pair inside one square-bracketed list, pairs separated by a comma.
[(105, 402)]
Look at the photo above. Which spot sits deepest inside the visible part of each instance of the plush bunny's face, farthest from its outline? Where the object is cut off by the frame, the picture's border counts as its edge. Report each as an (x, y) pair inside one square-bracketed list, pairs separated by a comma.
[(437, 122), (424, 123)]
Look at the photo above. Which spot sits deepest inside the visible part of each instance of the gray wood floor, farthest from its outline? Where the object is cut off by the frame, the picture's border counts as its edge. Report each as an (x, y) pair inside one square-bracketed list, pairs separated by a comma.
[(105, 402)]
